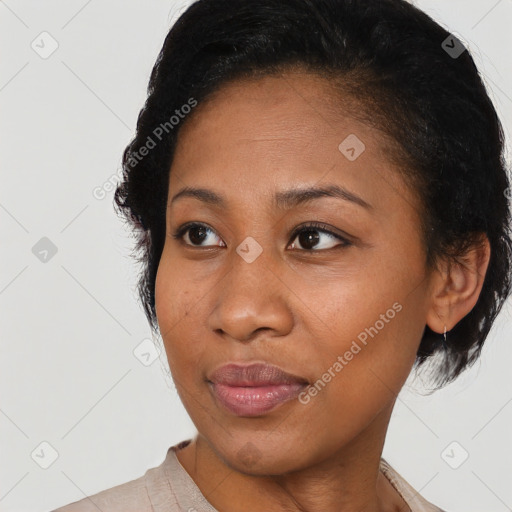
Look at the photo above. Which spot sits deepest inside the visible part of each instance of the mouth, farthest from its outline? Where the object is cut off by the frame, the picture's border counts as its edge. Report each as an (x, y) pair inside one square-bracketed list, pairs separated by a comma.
[(255, 389)]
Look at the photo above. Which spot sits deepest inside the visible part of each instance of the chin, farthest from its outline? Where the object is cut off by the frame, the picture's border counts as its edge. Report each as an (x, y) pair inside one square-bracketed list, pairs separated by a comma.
[(262, 458)]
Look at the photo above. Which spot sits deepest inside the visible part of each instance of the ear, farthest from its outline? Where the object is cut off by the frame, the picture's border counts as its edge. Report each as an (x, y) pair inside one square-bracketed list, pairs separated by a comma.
[(456, 286)]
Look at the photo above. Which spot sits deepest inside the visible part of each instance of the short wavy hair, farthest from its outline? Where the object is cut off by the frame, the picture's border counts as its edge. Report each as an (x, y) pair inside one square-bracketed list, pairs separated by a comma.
[(396, 62)]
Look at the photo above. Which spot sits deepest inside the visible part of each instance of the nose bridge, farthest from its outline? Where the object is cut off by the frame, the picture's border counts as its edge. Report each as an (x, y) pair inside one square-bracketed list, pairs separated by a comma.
[(249, 279), (250, 296)]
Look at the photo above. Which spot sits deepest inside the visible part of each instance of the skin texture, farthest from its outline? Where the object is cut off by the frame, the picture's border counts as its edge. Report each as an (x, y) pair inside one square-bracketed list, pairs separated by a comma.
[(296, 308)]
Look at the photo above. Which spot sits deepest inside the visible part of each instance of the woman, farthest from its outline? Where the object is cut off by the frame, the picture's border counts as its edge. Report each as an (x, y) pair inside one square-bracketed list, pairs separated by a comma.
[(321, 204)]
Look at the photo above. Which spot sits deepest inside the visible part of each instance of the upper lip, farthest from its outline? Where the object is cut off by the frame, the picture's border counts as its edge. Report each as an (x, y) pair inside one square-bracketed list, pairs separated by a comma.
[(255, 374)]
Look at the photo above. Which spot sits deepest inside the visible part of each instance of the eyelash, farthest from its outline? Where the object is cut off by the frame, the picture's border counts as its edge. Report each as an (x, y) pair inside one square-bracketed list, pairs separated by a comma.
[(312, 226)]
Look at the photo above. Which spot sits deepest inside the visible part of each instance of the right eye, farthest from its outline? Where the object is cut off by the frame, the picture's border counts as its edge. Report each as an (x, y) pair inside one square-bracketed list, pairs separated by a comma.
[(195, 234)]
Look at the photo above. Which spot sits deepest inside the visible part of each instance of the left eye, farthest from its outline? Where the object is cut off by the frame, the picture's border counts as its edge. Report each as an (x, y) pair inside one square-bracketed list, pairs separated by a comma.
[(313, 237)]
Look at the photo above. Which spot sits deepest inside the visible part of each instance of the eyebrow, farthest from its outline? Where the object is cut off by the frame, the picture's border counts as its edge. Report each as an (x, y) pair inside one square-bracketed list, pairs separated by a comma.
[(283, 200)]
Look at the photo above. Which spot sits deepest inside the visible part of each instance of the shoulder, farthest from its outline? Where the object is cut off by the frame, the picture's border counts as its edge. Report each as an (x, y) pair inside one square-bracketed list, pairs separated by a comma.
[(143, 494), (416, 502), (128, 497)]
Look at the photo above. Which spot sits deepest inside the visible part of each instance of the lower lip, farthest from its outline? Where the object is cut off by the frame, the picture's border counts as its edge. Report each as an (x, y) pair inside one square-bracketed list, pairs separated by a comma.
[(254, 401)]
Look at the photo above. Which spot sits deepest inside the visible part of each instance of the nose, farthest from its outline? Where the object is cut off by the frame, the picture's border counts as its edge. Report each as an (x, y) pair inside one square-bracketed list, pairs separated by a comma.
[(251, 299)]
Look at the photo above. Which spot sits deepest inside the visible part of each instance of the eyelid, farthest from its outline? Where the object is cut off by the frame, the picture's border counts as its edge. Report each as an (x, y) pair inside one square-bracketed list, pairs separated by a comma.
[(319, 226), (180, 231)]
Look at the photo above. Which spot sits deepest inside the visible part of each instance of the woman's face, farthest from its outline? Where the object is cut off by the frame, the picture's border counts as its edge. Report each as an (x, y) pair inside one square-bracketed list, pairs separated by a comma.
[(342, 306)]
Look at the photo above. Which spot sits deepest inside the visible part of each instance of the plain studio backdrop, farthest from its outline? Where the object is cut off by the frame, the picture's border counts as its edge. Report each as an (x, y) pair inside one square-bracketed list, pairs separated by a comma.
[(86, 402)]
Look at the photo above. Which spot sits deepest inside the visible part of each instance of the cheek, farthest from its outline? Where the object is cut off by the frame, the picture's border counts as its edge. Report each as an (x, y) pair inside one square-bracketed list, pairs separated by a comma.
[(374, 324), (182, 299), (378, 354), (177, 295), (176, 308)]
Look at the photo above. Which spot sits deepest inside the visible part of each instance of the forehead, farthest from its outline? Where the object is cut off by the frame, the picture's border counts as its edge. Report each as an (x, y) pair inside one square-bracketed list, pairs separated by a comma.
[(279, 131), (293, 106)]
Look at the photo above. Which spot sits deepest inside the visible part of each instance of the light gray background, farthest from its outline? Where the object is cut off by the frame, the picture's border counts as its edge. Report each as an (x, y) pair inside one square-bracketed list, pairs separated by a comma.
[(69, 325)]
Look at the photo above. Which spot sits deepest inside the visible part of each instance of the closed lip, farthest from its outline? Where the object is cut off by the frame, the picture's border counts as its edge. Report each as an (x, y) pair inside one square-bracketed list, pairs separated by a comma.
[(253, 375)]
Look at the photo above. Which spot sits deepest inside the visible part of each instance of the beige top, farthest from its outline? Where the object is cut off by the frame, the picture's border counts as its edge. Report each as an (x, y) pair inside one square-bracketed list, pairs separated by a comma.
[(169, 488)]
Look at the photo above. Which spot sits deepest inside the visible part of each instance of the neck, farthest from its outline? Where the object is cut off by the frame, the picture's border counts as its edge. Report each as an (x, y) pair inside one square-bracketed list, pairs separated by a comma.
[(347, 480)]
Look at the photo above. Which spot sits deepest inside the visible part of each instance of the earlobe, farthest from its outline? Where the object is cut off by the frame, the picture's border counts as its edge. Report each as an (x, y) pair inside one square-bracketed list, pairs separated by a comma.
[(456, 286)]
